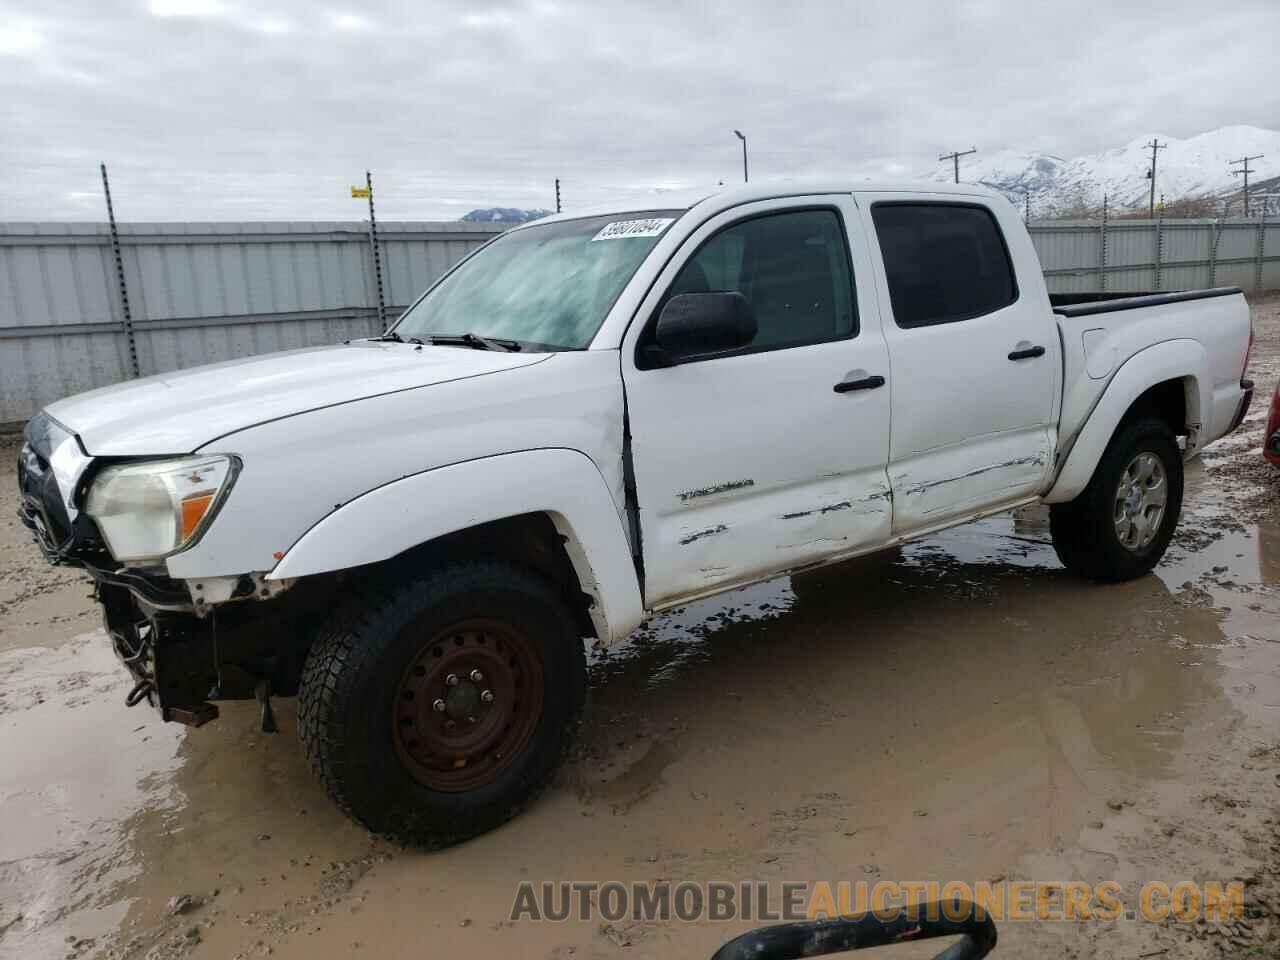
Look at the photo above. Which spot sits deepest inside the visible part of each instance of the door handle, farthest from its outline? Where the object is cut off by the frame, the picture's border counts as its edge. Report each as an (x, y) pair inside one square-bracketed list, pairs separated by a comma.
[(1027, 354), (866, 383)]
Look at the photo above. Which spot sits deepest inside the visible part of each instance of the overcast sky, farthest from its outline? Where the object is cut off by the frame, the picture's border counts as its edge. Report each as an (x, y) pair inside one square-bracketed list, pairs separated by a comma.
[(271, 109)]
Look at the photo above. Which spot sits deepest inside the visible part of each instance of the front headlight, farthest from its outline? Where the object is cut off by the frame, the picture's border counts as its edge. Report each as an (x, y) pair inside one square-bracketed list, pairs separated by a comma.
[(146, 511)]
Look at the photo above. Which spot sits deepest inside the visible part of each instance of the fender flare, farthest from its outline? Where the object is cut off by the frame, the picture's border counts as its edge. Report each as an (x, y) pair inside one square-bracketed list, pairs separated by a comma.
[(562, 483), (1183, 360)]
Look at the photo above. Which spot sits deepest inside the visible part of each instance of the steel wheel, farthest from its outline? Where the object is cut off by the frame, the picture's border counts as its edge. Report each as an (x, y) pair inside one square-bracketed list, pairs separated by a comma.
[(1140, 500), (469, 701)]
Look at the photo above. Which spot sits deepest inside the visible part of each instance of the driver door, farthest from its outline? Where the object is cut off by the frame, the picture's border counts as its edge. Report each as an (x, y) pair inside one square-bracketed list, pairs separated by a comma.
[(749, 462)]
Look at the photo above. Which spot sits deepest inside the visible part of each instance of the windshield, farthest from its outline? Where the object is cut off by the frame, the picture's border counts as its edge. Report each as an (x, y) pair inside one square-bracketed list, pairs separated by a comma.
[(546, 286)]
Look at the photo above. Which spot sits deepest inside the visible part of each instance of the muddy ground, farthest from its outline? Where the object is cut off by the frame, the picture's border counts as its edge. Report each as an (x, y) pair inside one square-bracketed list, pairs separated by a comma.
[(961, 709)]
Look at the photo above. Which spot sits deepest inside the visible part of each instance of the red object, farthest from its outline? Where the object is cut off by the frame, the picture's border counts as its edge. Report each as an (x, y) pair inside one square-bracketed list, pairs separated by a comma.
[(1271, 439)]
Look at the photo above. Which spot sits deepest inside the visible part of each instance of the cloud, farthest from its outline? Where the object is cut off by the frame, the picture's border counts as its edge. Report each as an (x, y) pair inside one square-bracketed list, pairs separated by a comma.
[(271, 25), (186, 8), (18, 38), (202, 111), (348, 21)]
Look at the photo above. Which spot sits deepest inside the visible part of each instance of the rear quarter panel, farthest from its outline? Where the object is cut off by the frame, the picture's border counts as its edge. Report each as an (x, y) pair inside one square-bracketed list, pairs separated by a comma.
[(1096, 346), (1111, 358)]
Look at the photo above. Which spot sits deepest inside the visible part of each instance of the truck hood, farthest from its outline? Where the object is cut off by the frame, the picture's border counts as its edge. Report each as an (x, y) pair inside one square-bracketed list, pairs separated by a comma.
[(182, 411)]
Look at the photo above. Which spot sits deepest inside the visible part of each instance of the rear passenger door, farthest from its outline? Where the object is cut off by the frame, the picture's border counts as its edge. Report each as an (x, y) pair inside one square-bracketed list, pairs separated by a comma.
[(975, 361)]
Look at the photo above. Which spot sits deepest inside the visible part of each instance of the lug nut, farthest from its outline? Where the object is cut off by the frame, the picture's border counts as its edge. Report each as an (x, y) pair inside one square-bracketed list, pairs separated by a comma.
[(438, 706), (476, 676), (451, 680), (448, 724), (486, 696), (471, 719)]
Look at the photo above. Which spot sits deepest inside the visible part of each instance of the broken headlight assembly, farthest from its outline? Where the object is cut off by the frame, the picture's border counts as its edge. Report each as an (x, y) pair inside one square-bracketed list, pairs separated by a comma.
[(148, 510)]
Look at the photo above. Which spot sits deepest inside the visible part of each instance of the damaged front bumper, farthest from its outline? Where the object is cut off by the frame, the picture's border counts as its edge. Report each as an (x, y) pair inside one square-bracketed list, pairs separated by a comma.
[(172, 665), (183, 642), (182, 659)]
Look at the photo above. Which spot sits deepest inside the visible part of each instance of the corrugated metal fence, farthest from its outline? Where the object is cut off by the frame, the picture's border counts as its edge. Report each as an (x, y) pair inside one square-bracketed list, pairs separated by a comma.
[(1089, 256), (203, 292), (198, 293)]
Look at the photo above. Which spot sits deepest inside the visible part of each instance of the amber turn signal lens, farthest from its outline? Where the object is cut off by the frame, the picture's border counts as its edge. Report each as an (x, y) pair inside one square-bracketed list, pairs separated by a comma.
[(193, 510)]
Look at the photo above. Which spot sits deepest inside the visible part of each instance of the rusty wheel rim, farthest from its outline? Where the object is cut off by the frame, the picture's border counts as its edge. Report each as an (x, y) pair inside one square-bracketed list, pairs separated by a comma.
[(467, 704)]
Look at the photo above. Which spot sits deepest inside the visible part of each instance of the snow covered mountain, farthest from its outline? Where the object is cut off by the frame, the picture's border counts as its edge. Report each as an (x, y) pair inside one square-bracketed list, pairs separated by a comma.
[(504, 215), (1195, 168)]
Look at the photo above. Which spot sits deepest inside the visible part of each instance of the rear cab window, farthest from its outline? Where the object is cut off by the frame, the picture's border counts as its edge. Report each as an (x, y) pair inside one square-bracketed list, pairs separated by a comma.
[(944, 262)]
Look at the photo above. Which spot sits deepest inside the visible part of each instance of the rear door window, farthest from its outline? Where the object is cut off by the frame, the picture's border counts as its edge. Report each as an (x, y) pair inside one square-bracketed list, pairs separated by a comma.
[(944, 262)]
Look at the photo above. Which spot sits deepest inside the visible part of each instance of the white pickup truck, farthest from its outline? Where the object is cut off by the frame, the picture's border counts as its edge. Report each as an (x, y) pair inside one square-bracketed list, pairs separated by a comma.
[(591, 419)]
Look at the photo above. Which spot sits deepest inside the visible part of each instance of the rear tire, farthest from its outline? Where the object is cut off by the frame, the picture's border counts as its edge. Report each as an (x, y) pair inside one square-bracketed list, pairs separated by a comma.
[(435, 709), (1120, 525)]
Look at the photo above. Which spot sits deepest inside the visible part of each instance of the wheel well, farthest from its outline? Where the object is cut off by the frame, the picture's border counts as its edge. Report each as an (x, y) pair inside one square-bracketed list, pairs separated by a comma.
[(1165, 401), (529, 539)]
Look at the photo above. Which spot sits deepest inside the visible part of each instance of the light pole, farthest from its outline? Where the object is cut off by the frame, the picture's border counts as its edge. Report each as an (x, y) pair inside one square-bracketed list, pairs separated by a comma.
[(738, 134)]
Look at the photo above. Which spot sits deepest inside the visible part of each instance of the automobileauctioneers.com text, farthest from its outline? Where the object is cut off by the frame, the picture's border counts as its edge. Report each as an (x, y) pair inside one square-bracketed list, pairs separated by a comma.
[(763, 901)]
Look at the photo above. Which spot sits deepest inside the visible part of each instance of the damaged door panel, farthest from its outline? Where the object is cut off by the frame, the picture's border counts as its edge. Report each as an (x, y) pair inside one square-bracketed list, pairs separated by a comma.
[(753, 460), (974, 476), (976, 359), (759, 535)]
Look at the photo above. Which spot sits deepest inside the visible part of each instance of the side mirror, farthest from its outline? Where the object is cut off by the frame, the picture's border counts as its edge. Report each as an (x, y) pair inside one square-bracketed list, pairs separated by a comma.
[(693, 324)]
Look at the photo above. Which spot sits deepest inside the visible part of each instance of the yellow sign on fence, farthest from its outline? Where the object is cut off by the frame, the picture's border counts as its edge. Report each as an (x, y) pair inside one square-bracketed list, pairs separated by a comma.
[(360, 193)]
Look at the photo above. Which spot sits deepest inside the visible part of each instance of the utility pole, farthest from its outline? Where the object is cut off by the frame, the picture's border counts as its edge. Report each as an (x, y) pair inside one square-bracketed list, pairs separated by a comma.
[(955, 159), (557, 194), (739, 135), (1244, 162), (1153, 146)]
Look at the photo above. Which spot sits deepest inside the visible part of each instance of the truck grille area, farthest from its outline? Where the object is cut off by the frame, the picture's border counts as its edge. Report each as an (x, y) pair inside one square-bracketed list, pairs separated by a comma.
[(40, 504)]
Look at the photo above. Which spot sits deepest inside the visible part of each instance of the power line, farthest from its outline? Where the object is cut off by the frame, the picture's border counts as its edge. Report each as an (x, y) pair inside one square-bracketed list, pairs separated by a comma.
[(955, 159), (1244, 163), (1153, 146)]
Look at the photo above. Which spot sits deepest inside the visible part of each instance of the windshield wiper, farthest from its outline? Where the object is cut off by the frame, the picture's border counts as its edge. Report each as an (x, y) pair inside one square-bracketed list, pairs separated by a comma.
[(389, 335), (475, 341)]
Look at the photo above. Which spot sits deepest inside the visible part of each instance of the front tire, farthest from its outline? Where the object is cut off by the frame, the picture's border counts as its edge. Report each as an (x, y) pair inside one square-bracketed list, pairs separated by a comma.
[(434, 710), (1120, 525)]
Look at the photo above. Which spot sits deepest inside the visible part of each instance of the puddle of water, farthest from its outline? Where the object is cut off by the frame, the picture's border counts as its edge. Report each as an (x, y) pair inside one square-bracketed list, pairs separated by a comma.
[(943, 709), (77, 769)]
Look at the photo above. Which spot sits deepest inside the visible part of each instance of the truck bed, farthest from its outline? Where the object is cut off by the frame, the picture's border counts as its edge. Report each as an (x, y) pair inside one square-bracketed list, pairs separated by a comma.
[(1101, 332)]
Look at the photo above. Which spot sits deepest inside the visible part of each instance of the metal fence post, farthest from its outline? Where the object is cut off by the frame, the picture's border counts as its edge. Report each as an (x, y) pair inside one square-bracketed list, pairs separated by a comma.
[(1159, 226), (134, 369), (1102, 248), (1262, 247), (1215, 236), (377, 255)]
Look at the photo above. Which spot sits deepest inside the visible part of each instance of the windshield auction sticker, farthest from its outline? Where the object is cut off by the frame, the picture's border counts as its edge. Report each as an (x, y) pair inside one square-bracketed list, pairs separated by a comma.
[(628, 229)]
